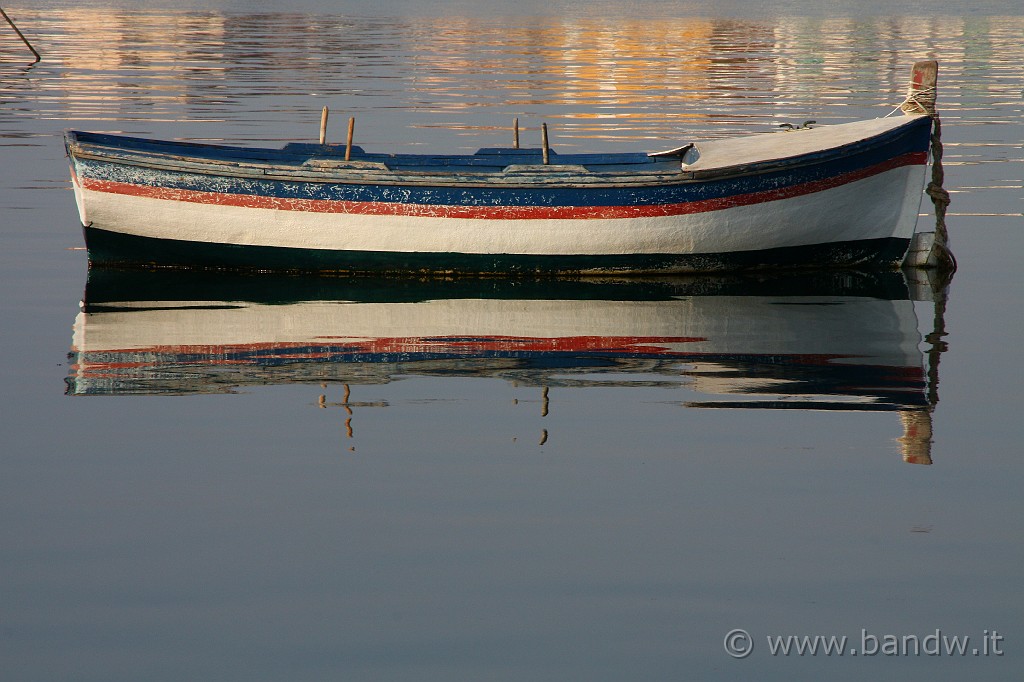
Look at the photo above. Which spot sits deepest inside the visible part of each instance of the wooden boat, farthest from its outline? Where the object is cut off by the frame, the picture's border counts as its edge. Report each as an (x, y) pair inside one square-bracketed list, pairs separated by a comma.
[(828, 196)]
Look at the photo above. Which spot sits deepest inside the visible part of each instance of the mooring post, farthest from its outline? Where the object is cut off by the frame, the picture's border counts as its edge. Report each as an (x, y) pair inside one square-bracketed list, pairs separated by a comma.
[(20, 35), (323, 126), (930, 250), (515, 133), (348, 141), (544, 142)]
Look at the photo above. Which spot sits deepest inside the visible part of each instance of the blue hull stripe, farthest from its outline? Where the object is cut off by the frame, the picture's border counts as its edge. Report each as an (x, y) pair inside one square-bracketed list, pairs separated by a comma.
[(908, 143)]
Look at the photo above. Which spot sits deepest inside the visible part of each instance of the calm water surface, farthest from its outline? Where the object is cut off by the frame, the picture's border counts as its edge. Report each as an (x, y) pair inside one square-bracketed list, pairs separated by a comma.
[(289, 478)]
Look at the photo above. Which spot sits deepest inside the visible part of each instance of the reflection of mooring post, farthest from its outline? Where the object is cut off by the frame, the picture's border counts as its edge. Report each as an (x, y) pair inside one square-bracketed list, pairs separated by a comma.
[(349, 432), (20, 35), (543, 413), (938, 345), (347, 404), (916, 441), (344, 400), (930, 249)]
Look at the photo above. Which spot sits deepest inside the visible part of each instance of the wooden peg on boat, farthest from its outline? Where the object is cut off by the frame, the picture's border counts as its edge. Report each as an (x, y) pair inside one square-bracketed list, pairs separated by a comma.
[(515, 133), (323, 126), (544, 142), (348, 141), (921, 93)]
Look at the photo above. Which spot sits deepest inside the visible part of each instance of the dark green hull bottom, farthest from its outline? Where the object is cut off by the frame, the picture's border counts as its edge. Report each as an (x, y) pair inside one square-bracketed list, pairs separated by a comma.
[(114, 287), (119, 250)]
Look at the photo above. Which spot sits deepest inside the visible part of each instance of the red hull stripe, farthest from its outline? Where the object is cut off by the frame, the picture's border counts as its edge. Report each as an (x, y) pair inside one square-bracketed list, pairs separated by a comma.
[(496, 212), (327, 345)]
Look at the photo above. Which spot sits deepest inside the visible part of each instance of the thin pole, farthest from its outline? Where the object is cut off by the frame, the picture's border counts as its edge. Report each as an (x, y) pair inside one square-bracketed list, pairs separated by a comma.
[(544, 140), (20, 35), (348, 143), (515, 133), (323, 126)]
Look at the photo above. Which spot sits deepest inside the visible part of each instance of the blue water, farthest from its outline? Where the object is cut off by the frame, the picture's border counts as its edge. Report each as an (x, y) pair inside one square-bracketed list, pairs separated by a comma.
[(591, 514)]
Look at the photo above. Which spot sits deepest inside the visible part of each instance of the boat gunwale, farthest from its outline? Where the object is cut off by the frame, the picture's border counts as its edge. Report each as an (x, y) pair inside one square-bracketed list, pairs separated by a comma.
[(520, 175), (555, 176)]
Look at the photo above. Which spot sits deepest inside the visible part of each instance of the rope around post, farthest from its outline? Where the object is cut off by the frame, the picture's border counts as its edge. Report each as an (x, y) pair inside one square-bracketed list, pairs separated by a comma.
[(942, 254), (917, 101)]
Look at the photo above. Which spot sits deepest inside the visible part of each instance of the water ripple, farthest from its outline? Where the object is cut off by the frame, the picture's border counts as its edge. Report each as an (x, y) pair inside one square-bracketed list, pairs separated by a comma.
[(441, 82)]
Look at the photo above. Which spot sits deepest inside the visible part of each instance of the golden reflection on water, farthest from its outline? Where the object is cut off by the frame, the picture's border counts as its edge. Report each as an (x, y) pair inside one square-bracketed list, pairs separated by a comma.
[(445, 83), (602, 77)]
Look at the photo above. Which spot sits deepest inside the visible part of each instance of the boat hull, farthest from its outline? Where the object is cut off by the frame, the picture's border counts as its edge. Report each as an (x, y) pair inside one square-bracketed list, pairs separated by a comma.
[(115, 249), (853, 206)]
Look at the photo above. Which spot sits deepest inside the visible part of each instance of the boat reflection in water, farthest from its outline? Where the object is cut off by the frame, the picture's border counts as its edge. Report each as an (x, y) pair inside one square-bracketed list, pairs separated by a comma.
[(808, 341)]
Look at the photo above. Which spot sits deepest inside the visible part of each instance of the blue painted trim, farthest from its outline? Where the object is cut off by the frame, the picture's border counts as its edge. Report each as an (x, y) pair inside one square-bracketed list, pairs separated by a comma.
[(801, 170)]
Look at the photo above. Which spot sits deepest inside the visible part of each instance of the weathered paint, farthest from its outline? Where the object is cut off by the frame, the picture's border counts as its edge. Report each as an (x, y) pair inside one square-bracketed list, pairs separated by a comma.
[(851, 203), (490, 205)]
